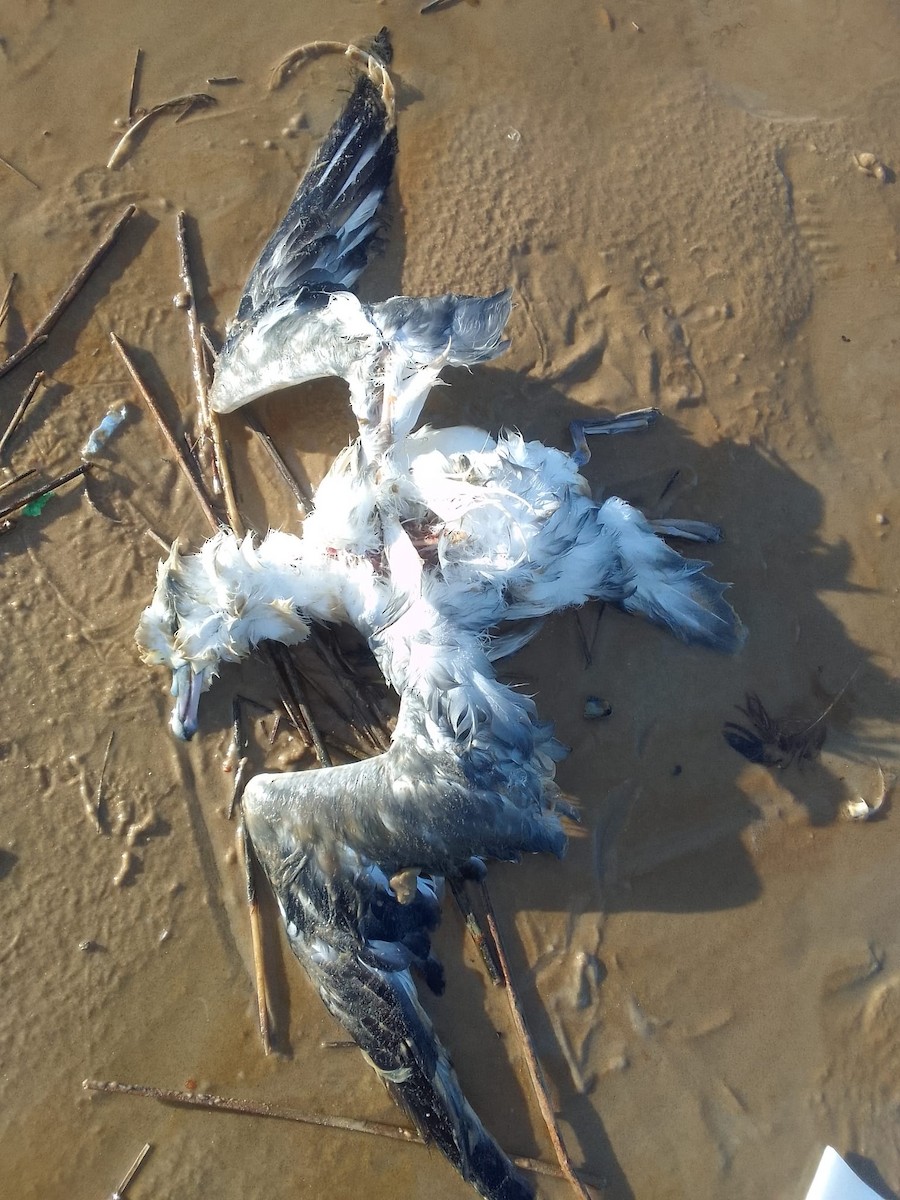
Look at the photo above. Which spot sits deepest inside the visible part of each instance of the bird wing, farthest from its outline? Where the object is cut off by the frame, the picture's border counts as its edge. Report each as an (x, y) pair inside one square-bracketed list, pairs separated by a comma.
[(357, 943), (327, 231), (287, 329)]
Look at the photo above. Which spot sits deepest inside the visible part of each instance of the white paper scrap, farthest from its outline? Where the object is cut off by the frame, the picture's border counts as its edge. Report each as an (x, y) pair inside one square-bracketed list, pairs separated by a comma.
[(835, 1181)]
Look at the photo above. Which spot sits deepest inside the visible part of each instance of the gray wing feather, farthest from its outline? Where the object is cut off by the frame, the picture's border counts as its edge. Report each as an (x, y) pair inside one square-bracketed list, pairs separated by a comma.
[(326, 234)]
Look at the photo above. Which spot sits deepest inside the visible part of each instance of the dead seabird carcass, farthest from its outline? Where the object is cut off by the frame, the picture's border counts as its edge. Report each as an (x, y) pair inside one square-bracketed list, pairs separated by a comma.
[(425, 542)]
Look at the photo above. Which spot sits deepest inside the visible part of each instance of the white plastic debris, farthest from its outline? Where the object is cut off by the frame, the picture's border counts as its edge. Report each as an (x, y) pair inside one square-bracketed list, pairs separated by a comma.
[(107, 427), (835, 1181)]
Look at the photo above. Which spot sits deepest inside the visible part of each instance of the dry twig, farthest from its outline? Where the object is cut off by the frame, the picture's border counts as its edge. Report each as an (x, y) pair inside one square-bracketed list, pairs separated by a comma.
[(484, 947), (538, 1082), (17, 479), (397, 1133), (294, 699), (209, 424), (42, 329), (22, 409), (303, 498), (259, 965), (42, 491), (4, 303), (21, 174), (131, 1172), (177, 449)]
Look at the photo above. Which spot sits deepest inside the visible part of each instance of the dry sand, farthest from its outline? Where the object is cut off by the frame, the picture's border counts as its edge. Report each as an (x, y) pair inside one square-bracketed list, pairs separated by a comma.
[(713, 975)]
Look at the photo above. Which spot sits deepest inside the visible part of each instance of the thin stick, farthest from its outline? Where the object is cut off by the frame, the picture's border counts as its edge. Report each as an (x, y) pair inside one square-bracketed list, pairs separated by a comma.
[(180, 453), (485, 949), (133, 90), (98, 799), (304, 500), (259, 965), (241, 760), (21, 174), (33, 343), (205, 1100), (538, 1082), (822, 715), (42, 329), (209, 347), (209, 425), (131, 1172), (4, 303), (22, 409), (42, 491), (17, 479)]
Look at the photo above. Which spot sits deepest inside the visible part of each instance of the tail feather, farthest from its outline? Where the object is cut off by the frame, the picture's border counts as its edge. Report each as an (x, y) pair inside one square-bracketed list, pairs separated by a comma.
[(670, 590)]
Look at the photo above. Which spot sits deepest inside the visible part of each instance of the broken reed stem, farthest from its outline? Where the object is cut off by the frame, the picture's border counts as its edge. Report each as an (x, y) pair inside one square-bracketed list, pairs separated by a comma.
[(131, 1172), (476, 933), (538, 1082), (205, 1100), (304, 500), (21, 174), (42, 491), (198, 370), (41, 331), (22, 409), (209, 424), (4, 303), (17, 479), (133, 90), (180, 453), (98, 799), (256, 941)]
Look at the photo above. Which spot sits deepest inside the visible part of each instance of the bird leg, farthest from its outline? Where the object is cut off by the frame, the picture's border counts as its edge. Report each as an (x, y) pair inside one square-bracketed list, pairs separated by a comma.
[(627, 422), (404, 884)]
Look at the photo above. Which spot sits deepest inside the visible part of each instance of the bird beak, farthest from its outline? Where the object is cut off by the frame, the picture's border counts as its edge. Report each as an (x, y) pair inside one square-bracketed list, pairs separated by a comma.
[(187, 687)]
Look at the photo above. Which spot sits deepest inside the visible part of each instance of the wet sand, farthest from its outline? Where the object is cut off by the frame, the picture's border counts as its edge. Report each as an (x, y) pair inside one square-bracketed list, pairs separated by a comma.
[(713, 975)]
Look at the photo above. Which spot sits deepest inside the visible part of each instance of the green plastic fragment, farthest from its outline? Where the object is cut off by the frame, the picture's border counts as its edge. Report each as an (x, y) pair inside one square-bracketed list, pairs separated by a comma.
[(36, 507)]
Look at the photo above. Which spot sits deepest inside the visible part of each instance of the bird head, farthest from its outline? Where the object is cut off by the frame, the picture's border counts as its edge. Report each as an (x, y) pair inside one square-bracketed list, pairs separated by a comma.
[(214, 606)]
